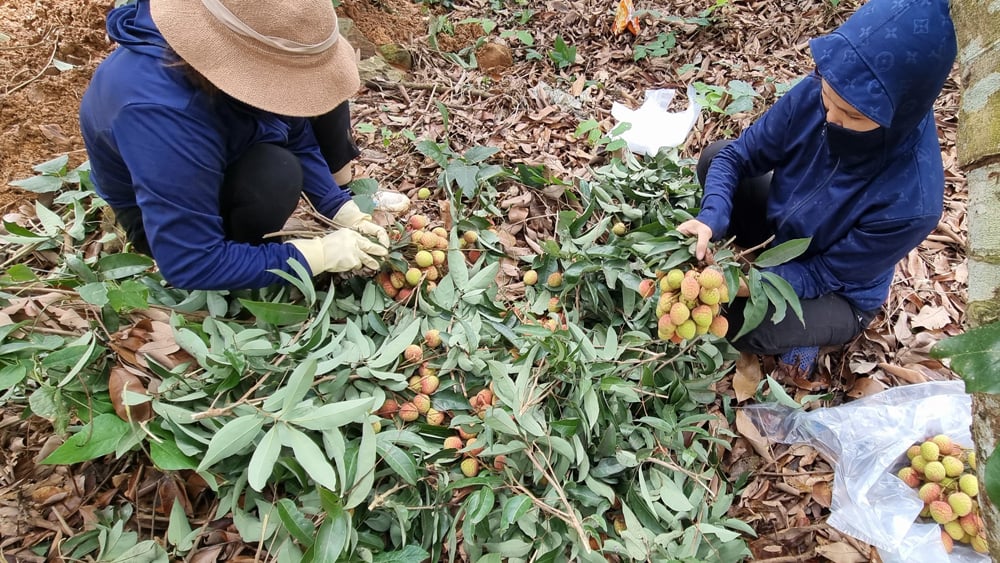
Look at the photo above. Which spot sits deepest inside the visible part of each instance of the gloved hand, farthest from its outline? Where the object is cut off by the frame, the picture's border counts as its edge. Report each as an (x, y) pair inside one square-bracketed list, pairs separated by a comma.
[(340, 251), (350, 217)]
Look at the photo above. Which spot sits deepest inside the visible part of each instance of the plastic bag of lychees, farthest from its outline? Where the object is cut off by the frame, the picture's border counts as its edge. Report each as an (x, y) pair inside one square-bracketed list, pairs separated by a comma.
[(904, 471)]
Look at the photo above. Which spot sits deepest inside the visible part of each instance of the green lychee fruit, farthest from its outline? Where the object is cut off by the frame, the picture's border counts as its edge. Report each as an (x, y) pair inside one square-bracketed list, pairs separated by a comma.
[(397, 279), (530, 277), (929, 492), (934, 471), (953, 467), (439, 257), (941, 512), (413, 353), (470, 467), (719, 327), (961, 503), (665, 328), (954, 530), (413, 276), (674, 278), (971, 460), (912, 452), (470, 237), (711, 278), (909, 476), (423, 258), (555, 305), (978, 543), (709, 296), (930, 451), (702, 316), (619, 229), (647, 288), (423, 193), (555, 279), (686, 329), (434, 417), (944, 442), (918, 464), (408, 412), (969, 484), (690, 289), (432, 338), (679, 313)]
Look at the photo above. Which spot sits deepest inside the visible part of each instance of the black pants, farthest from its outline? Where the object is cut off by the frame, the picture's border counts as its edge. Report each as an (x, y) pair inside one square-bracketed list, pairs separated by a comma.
[(826, 321), (261, 189)]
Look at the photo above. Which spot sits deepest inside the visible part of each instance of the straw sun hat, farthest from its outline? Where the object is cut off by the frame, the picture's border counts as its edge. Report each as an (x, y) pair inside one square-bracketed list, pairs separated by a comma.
[(282, 56)]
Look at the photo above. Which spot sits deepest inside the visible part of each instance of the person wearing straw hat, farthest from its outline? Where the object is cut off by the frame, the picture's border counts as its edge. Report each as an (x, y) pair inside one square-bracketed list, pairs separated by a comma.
[(210, 120)]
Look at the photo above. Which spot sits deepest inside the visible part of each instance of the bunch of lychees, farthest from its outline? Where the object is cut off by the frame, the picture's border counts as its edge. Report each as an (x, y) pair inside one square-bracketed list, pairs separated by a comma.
[(690, 303), (944, 475)]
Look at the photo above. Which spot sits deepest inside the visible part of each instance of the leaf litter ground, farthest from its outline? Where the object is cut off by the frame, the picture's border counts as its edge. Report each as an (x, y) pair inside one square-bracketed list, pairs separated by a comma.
[(529, 110)]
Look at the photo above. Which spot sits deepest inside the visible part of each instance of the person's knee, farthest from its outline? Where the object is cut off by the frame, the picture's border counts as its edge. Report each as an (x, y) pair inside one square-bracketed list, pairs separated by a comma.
[(260, 192)]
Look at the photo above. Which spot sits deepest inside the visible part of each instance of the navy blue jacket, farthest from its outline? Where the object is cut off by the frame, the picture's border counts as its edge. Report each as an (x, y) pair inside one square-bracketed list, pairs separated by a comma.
[(157, 142), (864, 213)]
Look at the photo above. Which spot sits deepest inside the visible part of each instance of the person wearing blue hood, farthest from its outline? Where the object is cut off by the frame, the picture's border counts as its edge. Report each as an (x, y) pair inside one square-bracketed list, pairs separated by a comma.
[(849, 157), (209, 122)]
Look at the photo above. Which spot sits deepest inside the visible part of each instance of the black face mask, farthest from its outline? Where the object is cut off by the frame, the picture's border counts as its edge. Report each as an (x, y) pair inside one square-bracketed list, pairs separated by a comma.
[(855, 147)]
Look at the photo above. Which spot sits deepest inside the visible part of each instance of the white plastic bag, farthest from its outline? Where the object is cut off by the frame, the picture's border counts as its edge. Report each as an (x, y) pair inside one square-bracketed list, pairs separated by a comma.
[(652, 126), (866, 441)]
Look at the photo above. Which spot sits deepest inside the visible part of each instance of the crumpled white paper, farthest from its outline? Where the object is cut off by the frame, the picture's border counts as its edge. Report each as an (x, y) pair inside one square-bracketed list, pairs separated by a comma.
[(653, 127)]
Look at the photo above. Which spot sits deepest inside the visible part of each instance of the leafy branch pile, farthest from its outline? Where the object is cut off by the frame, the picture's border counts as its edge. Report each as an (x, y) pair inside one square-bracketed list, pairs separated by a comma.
[(335, 421)]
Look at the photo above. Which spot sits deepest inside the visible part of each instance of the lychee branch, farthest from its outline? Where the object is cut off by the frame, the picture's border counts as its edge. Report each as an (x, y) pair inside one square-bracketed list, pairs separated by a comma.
[(570, 517)]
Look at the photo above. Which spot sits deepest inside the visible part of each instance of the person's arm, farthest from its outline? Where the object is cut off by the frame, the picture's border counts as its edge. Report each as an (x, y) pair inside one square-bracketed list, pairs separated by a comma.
[(317, 180), (866, 251), (177, 166)]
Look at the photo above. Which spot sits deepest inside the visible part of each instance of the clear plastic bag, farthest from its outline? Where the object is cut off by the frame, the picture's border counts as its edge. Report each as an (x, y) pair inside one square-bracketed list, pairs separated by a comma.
[(866, 441)]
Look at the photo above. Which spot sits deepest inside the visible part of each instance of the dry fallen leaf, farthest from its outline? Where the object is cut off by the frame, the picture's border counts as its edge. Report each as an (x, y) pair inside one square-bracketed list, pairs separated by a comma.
[(119, 381), (748, 376), (748, 430), (841, 552)]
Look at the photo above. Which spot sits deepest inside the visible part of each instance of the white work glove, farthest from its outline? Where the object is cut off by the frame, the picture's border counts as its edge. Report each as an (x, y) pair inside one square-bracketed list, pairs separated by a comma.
[(350, 217), (340, 251)]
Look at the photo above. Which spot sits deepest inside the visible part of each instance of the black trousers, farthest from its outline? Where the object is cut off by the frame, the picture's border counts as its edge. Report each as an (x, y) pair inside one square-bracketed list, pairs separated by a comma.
[(826, 321), (261, 189)]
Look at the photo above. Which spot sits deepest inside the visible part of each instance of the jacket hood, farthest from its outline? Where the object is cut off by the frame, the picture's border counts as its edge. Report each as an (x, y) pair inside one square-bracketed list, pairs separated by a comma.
[(132, 27), (890, 60)]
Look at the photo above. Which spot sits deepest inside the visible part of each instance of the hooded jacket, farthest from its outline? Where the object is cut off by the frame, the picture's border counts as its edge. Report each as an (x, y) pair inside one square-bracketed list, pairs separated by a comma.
[(158, 143), (867, 209)]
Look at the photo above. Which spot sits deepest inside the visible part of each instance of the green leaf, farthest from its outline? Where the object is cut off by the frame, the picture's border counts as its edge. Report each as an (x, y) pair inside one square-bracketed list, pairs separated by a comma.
[(364, 475), (263, 459), (673, 496), (334, 415), (480, 504), (299, 383), (786, 291), (168, 457), (513, 508), (399, 460), (782, 253), (780, 395), (392, 350), (300, 527), (55, 166), (975, 356), (332, 537), (94, 293), (178, 528), (408, 554), (231, 438), (276, 313), (310, 457), (12, 375), (94, 440), (118, 266), (39, 184), (992, 476)]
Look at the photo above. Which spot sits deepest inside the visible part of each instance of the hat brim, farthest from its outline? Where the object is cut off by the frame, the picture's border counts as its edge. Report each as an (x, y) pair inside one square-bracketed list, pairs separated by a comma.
[(263, 77)]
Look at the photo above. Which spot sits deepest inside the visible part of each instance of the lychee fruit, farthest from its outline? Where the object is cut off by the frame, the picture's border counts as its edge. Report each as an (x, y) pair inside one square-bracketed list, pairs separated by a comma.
[(619, 229), (912, 452), (978, 543), (674, 278), (432, 338), (422, 402), (555, 279), (971, 523), (941, 512), (665, 328), (408, 412), (429, 384), (918, 464), (500, 462), (930, 451), (555, 305), (439, 257), (397, 279), (423, 258), (434, 417), (944, 442), (413, 353), (389, 408), (679, 313), (929, 492), (947, 542), (690, 289), (702, 315), (470, 467), (647, 288), (413, 384), (530, 277), (432, 274), (719, 327), (969, 484), (413, 276), (417, 222), (953, 467), (453, 443), (954, 530), (711, 278), (470, 237), (686, 329), (909, 476), (971, 460), (474, 447), (961, 503), (934, 471), (709, 296)]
